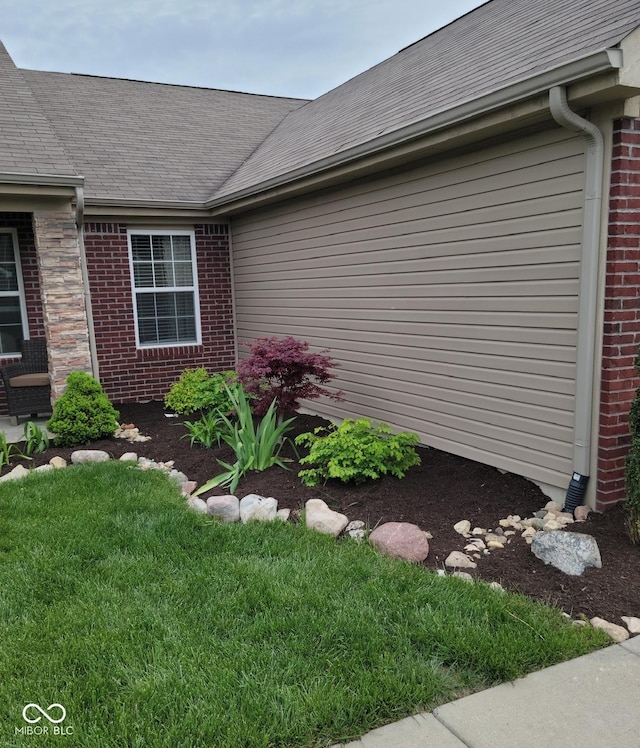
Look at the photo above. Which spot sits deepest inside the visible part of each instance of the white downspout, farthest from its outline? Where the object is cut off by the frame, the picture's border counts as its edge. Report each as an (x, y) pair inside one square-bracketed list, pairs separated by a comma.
[(587, 310), (95, 371)]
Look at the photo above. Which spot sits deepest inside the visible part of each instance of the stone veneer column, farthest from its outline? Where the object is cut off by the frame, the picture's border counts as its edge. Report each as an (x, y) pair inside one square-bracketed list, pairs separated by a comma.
[(621, 331), (65, 318)]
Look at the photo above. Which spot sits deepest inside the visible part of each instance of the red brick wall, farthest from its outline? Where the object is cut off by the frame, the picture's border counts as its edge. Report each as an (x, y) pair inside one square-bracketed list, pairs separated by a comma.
[(131, 375), (621, 313)]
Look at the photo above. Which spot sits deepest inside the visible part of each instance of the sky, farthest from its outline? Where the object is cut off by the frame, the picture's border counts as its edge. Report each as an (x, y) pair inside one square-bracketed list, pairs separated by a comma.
[(298, 48)]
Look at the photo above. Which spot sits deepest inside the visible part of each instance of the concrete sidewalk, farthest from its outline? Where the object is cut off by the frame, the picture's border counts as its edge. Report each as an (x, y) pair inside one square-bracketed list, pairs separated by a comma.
[(592, 701), (15, 433)]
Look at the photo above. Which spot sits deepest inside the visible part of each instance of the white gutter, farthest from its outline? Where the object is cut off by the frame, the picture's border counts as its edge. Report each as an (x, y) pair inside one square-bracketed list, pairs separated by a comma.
[(587, 312), (85, 282), (585, 67)]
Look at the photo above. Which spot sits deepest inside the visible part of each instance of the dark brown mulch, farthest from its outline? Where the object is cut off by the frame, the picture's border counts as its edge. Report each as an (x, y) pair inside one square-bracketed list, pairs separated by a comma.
[(441, 491)]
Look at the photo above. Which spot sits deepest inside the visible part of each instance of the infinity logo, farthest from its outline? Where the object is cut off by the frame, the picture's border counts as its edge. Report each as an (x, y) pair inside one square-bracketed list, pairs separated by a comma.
[(44, 713)]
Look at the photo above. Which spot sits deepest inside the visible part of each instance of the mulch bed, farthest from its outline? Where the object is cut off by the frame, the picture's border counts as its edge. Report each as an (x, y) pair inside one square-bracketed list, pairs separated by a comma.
[(441, 491)]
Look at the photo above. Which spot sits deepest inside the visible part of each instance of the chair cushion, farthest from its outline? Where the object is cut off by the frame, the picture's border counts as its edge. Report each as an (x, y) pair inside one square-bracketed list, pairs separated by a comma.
[(39, 379)]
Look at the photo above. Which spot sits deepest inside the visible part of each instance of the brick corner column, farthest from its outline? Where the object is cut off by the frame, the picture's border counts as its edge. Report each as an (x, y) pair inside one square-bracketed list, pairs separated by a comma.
[(60, 277), (621, 330)]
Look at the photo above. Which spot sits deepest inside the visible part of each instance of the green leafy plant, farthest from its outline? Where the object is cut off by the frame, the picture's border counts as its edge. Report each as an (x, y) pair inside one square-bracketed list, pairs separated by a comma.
[(83, 413), (197, 390), (36, 439), (255, 447), (206, 431), (356, 451), (6, 450), (632, 474)]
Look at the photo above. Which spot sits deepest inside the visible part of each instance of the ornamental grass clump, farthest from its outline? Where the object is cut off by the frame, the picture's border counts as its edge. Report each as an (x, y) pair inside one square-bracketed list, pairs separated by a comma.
[(283, 370), (256, 447), (356, 451), (83, 413)]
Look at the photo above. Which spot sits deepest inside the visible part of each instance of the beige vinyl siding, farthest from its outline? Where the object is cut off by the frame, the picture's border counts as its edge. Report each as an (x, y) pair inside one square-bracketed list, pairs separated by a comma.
[(447, 293)]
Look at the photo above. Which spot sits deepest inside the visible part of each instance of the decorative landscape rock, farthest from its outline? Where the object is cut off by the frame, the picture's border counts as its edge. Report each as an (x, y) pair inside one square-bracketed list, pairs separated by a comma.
[(463, 527), (283, 514), (459, 560), (400, 540), (197, 504), (319, 517), (632, 623), (226, 508), (18, 472), (571, 552), (617, 633), (81, 456), (129, 457), (259, 508), (356, 530), (58, 462), (188, 487)]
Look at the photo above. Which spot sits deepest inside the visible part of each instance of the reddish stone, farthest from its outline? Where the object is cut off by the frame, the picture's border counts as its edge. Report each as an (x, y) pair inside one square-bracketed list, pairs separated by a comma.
[(400, 540)]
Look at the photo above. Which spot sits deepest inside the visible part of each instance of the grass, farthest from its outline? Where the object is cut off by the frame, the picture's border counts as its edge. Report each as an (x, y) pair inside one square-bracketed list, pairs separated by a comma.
[(154, 626)]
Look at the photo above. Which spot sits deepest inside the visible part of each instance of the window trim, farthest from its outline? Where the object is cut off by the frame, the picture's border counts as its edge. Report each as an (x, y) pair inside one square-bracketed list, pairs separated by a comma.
[(169, 289), (22, 298)]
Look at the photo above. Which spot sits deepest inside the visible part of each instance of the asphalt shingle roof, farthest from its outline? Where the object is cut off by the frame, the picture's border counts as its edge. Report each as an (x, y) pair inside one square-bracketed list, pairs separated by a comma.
[(498, 44), (141, 141), (28, 143), (152, 141)]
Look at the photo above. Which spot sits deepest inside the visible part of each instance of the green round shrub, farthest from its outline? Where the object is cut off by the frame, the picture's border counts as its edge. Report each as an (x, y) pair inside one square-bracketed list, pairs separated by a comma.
[(83, 413), (197, 390)]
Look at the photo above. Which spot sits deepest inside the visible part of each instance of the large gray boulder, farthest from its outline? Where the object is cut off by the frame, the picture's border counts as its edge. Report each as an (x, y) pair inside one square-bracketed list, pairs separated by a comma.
[(571, 552)]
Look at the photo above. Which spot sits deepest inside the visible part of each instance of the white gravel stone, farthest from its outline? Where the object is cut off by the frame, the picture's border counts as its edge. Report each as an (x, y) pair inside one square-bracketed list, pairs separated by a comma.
[(459, 560), (283, 514), (463, 527), (129, 457)]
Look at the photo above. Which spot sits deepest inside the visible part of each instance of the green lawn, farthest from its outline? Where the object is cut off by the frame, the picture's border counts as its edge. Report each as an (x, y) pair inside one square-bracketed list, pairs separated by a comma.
[(154, 626)]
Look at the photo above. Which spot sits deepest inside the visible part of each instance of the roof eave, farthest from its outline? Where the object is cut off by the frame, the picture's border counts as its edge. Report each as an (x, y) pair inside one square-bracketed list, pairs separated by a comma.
[(604, 61)]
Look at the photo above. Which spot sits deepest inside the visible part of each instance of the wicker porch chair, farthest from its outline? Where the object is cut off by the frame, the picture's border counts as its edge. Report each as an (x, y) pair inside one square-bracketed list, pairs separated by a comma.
[(27, 382)]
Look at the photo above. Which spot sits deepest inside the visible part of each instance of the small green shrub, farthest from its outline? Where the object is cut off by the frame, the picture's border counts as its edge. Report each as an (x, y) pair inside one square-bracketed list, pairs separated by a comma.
[(206, 431), (356, 451), (197, 390), (255, 448), (82, 413)]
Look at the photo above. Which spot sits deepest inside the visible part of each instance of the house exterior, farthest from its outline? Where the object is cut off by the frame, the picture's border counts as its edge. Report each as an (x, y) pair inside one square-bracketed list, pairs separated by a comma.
[(460, 225)]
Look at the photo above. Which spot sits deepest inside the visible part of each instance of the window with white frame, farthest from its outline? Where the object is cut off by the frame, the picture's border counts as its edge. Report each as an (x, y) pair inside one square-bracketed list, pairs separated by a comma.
[(164, 277), (13, 308)]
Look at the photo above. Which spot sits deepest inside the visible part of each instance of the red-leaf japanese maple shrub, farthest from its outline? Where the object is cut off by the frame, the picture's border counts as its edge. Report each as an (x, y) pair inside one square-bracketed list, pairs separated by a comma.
[(283, 369)]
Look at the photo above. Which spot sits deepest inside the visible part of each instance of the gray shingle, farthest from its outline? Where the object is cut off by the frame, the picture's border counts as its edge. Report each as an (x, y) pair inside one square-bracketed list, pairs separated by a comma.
[(150, 141), (496, 45), (28, 143)]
